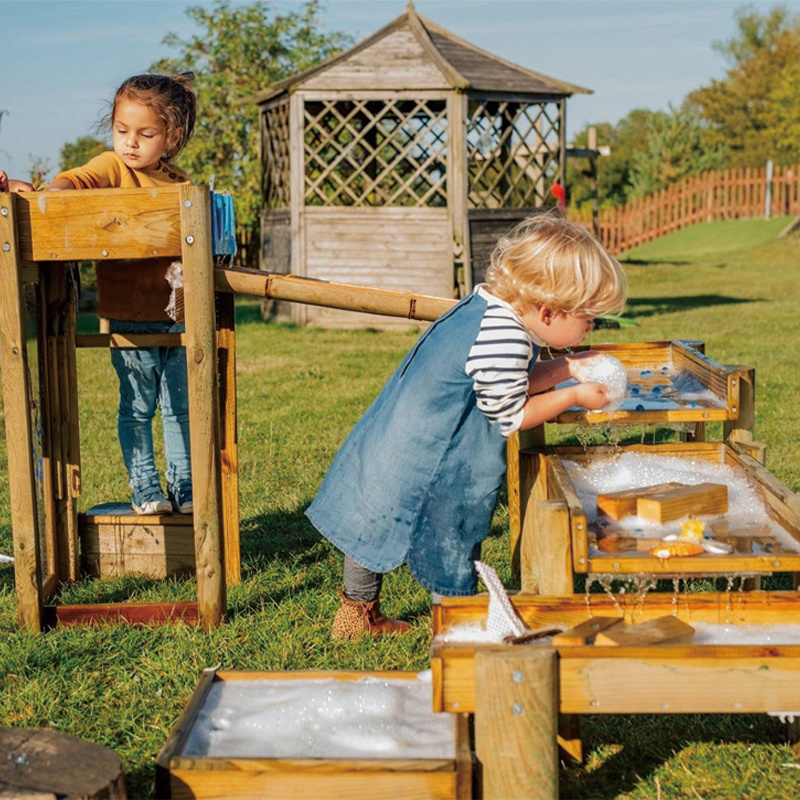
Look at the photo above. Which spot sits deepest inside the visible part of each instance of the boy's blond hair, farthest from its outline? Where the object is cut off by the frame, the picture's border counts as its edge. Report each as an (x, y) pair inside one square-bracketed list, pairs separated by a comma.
[(547, 260)]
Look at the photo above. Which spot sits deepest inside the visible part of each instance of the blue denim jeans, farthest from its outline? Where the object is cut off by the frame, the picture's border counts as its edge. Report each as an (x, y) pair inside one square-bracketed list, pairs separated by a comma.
[(151, 377)]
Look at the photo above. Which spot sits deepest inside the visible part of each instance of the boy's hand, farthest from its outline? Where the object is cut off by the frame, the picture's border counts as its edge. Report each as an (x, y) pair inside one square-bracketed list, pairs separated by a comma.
[(593, 396)]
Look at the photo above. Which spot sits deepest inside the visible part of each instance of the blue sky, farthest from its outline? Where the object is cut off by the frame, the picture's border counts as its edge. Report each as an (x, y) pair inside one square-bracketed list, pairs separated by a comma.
[(63, 59)]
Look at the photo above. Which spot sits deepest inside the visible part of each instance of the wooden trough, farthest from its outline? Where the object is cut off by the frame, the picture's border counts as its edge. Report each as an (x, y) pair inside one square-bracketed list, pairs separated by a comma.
[(214, 777), (556, 538), (524, 697)]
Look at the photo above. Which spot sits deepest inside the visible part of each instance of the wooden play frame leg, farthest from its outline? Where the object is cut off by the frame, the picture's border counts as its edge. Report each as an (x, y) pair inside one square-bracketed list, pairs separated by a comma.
[(204, 414), (516, 722)]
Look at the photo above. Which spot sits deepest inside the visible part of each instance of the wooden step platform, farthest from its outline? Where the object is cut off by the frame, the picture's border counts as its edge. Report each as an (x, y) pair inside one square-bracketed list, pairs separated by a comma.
[(116, 541)]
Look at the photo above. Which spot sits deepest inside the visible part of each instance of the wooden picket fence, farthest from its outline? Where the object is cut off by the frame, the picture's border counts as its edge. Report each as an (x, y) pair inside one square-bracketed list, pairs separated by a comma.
[(710, 196)]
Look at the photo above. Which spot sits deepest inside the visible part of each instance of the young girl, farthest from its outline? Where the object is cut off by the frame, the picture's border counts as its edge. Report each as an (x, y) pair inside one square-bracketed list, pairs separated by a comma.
[(152, 118), (417, 479)]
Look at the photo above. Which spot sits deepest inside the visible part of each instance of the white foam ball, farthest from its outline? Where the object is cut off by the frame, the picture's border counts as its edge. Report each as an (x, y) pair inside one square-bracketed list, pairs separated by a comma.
[(605, 369)]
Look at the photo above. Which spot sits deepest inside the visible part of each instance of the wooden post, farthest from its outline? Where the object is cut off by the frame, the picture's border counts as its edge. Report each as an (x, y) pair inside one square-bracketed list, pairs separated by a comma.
[(741, 431), (516, 722), (229, 452), (533, 471), (519, 480), (553, 544), (16, 396), (204, 416)]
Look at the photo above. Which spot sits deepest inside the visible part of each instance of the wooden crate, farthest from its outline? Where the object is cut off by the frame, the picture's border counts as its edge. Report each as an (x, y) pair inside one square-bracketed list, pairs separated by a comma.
[(656, 366), (182, 776), (116, 541), (659, 679), (555, 534)]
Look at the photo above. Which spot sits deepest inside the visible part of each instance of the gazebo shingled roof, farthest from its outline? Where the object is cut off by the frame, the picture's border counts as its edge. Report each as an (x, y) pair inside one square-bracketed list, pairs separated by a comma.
[(462, 64)]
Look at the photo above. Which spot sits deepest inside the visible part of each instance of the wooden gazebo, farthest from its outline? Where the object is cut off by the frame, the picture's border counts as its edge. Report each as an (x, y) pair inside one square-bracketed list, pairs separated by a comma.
[(397, 163)]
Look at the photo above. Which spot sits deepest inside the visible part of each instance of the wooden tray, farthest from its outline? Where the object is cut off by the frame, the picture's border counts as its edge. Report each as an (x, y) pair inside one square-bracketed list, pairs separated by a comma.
[(180, 776), (666, 679), (654, 366), (555, 536)]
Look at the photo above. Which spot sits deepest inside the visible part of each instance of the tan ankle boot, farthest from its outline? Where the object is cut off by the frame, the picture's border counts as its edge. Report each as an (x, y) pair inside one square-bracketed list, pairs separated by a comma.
[(355, 618)]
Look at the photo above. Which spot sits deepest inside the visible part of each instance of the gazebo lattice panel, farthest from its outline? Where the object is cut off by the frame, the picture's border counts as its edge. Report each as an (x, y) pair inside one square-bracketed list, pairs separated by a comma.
[(375, 152), (276, 165), (513, 151)]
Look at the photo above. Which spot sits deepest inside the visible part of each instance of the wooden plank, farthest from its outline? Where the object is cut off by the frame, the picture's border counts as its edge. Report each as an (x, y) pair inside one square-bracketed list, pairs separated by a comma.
[(534, 488), (134, 340), (664, 630), (676, 681), (150, 565), (623, 504), (676, 503), (17, 403), (229, 450), (586, 632), (99, 224), (133, 613), (204, 415), (516, 722)]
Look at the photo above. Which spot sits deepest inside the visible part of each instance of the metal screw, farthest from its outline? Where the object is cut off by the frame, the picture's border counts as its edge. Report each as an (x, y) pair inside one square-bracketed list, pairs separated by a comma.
[(517, 709), (734, 409), (190, 240), (665, 705), (53, 255), (581, 560), (105, 253), (579, 526), (6, 246), (456, 704), (155, 252), (4, 212), (776, 563), (737, 705), (705, 415), (616, 566), (594, 704), (517, 676), (187, 203)]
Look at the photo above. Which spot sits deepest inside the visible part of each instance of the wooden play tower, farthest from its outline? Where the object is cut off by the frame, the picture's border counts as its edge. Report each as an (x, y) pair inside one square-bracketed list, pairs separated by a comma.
[(40, 234), (399, 163)]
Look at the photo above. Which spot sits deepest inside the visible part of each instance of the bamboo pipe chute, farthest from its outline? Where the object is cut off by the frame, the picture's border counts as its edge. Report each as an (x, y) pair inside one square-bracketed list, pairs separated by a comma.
[(387, 302)]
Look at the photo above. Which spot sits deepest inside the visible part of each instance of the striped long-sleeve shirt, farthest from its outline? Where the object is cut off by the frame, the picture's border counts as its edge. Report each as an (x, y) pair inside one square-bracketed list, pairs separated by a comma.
[(499, 363)]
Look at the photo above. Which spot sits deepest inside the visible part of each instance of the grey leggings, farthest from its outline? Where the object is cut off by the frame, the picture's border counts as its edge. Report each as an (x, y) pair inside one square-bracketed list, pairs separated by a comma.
[(363, 585)]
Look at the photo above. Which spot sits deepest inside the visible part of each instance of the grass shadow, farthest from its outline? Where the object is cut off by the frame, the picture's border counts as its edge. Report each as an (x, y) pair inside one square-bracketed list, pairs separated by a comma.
[(640, 307), (623, 751), (648, 262)]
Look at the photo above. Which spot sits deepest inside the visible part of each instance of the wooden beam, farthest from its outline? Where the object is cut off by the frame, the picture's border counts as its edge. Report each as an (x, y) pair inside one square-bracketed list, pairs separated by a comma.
[(19, 435), (388, 302), (204, 416)]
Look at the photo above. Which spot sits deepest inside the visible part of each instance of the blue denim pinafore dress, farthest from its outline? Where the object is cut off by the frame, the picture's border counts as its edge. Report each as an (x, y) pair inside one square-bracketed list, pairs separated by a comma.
[(417, 479)]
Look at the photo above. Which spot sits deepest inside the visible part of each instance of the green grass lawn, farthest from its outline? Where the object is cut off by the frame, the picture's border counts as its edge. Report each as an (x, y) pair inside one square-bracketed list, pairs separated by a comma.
[(733, 285)]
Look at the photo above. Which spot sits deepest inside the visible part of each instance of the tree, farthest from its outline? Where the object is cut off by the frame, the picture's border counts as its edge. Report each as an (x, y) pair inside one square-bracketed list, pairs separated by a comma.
[(673, 149), (240, 50), (77, 153), (614, 172), (751, 110)]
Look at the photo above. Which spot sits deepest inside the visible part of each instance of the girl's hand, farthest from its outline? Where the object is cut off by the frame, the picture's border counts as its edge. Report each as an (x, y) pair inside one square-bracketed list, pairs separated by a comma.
[(592, 396), (11, 185)]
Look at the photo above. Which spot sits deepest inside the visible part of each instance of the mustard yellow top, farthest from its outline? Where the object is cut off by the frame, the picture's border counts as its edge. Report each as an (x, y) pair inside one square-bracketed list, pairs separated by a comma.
[(130, 290)]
